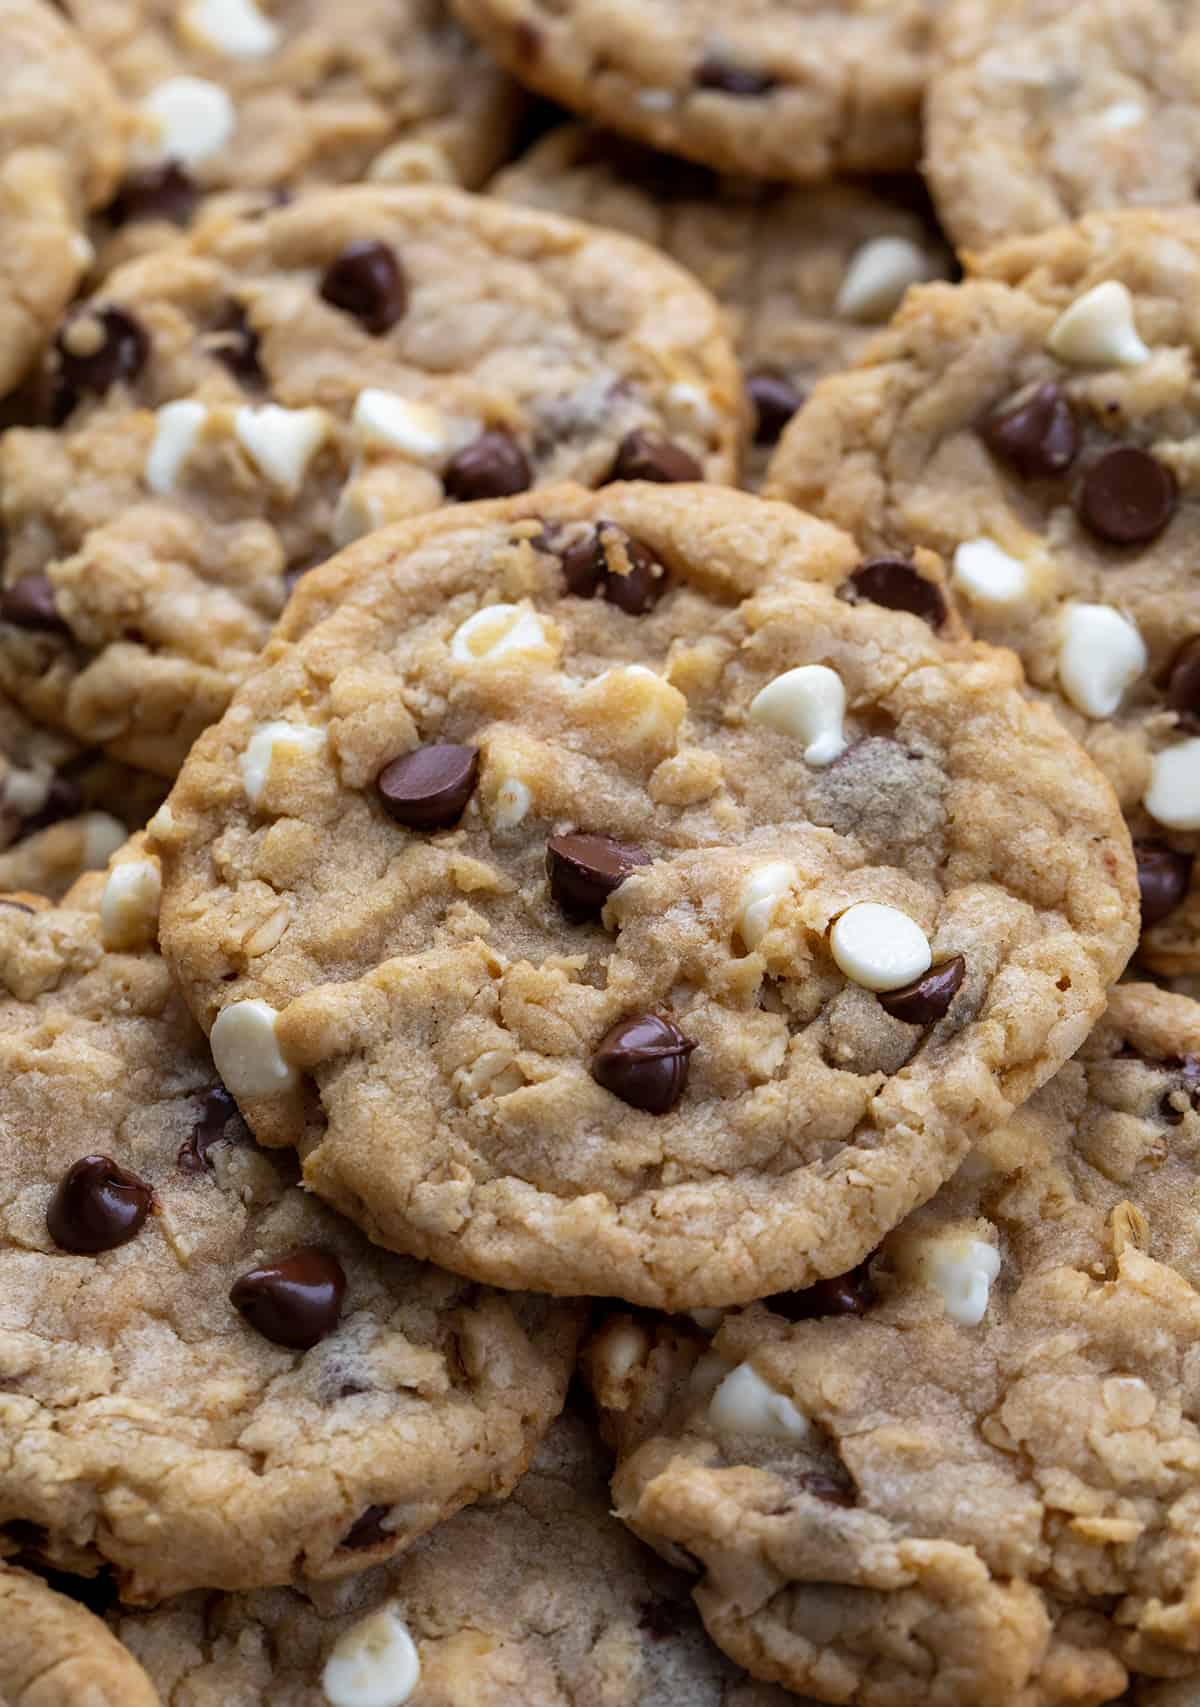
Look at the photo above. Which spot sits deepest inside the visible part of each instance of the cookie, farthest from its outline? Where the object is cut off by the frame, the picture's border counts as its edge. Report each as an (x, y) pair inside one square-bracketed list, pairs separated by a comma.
[(48, 862), (967, 1471), (233, 411), (1037, 426), (1039, 111), (791, 89), (208, 1379), (571, 865), (54, 1653), (541, 1600), (62, 140), (802, 275)]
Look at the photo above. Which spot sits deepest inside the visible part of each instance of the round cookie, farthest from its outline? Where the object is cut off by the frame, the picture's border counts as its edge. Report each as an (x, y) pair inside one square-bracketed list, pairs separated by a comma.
[(1037, 426), (208, 1379), (1041, 110), (234, 410), (790, 89), (660, 1070), (54, 1653), (543, 1600), (802, 275), (968, 1470), (62, 136)]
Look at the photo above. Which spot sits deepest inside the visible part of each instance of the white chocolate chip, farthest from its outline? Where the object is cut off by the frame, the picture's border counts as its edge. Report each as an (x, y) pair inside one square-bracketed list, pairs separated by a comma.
[(878, 275), (193, 117), (102, 836), (761, 894), (25, 792), (382, 418), (246, 1050), (162, 823), (1098, 329), (129, 904), (879, 947), (235, 27), (177, 426), (1173, 797), (1122, 115), (808, 703), (512, 803), (1100, 655), (745, 1404), (707, 1319), (373, 1664), (263, 745), (281, 442), (961, 1269), (692, 406), (988, 575), (497, 631)]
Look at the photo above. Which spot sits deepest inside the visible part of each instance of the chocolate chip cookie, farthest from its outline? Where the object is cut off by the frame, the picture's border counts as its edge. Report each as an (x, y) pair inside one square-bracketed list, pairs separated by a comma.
[(231, 412), (790, 89), (1041, 110), (631, 893), (54, 1653), (1036, 427), (967, 1470), (207, 1378), (802, 275), (62, 143)]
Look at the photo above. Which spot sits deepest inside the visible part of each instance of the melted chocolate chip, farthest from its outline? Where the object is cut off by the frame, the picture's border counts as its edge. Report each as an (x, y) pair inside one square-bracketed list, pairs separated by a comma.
[(644, 1060), (1183, 684), (640, 456), (715, 71), (235, 343), (98, 348), (367, 281), (1127, 496), (156, 192), (893, 583), (586, 570), (97, 1206), (843, 1295), (1164, 876), (1038, 436), (219, 1109), (926, 1000), (29, 603), (584, 870), (827, 1488), (775, 401), (295, 1300), (367, 1531), (428, 789), (492, 466)]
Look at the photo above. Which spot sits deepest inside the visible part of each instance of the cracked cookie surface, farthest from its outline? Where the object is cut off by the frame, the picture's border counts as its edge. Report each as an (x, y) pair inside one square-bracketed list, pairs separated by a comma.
[(966, 1472), (54, 1652), (553, 882)]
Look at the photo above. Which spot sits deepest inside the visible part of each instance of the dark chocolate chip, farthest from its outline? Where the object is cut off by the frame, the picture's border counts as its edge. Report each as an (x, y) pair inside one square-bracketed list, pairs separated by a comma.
[(367, 281), (1038, 436), (428, 789), (586, 570), (295, 1300), (1183, 684), (99, 348), (584, 564), (155, 192), (716, 72), (775, 401), (97, 1206), (235, 343), (219, 1109), (29, 603), (644, 1060), (640, 456), (1127, 496), (492, 466), (367, 1530), (584, 870), (893, 583), (843, 1295), (827, 1488), (926, 1000), (1163, 876)]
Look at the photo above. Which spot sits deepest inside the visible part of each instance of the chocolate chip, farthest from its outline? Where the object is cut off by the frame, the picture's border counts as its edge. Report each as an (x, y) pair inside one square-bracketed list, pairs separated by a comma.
[(827, 1488), (1038, 436), (849, 1294), (926, 1000), (155, 192), (367, 1531), (219, 1109), (775, 401), (428, 789), (584, 870), (716, 72), (367, 281), (642, 457), (295, 1300), (98, 348), (235, 343), (29, 603), (644, 1060), (1127, 496), (1164, 876), (97, 1206), (1183, 684), (492, 466), (584, 565), (893, 583), (586, 571)]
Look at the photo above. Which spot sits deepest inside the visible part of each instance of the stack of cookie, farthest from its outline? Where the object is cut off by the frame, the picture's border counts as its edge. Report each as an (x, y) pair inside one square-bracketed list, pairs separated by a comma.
[(599, 791)]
